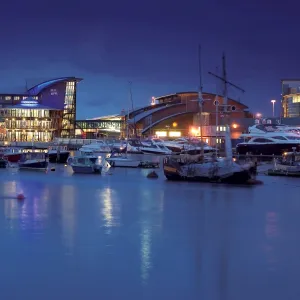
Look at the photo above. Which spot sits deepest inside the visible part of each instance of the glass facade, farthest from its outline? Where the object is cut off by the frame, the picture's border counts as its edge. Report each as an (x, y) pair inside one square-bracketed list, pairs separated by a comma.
[(45, 111), (291, 98), (27, 125), (69, 114)]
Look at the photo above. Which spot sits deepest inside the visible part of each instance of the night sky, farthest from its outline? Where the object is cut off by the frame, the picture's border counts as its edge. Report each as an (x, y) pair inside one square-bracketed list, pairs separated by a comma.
[(151, 43)]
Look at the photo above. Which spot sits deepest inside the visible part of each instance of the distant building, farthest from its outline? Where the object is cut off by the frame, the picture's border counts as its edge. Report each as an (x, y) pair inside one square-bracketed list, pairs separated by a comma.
[(45, 111), (290, 98)]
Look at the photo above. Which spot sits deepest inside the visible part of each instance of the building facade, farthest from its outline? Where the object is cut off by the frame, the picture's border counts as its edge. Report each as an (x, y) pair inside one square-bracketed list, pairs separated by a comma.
[(290, 98), (178, 115), (45, 111)]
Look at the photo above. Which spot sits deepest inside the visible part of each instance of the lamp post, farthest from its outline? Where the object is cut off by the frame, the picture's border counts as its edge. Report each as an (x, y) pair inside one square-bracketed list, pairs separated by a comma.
[(273, 103)]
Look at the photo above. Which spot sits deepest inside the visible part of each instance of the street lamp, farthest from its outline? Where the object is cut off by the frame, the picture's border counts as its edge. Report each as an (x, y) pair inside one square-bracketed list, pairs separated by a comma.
[(273, 103), (258, 115)]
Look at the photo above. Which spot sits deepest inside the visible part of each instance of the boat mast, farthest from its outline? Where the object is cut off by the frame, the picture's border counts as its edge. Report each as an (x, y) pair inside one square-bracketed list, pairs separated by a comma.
[(228, 145), (127, 133), (200, 100), (224, 105)]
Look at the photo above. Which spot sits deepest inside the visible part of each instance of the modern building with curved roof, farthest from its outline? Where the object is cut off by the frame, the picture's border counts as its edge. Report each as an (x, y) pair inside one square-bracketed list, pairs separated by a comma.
[(182, 110), (44, 111)]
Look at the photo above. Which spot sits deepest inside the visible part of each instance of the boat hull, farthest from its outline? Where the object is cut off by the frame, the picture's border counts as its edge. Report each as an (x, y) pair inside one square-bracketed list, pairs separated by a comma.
[(210, 173), (61, 158), (123, 163), (150, 151), (34, 165), (266, 149), (86, 169)]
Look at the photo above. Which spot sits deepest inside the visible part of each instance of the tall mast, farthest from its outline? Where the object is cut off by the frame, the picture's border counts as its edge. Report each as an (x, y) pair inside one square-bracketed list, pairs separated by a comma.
[(228, 145), (224, 105), (200, 99)]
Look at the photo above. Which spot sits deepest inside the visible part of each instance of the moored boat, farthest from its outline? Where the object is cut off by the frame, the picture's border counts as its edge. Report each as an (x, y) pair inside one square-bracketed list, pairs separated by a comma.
[(288, 165), (220, 170), (122, 161), (85, 165), (155, 146), (58, 154), (33, 161), (11, 154), (204, 168)]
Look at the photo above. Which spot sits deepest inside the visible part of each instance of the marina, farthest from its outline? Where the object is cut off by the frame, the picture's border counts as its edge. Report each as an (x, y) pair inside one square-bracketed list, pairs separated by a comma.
[(146, 235)]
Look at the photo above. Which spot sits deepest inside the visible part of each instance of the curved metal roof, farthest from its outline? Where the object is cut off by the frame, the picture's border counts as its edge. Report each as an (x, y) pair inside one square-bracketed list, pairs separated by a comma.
[(35, 90)]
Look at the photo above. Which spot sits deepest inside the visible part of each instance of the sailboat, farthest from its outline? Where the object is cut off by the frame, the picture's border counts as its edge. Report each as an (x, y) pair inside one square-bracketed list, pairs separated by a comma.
[(209, 168)]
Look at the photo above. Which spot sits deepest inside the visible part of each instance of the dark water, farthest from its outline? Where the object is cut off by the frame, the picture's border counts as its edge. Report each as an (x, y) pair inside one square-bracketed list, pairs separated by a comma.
[(123, 236)]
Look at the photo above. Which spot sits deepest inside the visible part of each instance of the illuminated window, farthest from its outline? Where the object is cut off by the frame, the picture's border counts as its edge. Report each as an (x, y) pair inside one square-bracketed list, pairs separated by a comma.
[(174, 134), (296, 98), (161, 133), (7, 97), (16, 98)]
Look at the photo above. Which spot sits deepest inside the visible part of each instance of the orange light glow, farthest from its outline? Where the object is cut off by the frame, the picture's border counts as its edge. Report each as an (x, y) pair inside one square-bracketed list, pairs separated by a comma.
[(193, 131), (174, 124), (235, 126)]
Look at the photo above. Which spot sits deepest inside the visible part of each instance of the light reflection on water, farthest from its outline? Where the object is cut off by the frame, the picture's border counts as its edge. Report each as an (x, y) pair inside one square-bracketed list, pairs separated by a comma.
[(68, 215), (110, 209), (126, 235)]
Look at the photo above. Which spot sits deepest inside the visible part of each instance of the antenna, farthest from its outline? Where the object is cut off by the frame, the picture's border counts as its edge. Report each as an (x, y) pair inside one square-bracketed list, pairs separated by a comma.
[(200, 68)]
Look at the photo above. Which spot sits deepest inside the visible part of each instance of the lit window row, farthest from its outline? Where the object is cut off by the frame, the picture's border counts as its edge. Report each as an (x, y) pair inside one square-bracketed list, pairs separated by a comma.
[(221, 128)]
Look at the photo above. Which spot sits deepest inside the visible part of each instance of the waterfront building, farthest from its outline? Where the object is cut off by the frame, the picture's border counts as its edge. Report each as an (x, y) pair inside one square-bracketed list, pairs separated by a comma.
[(42, 112), (106, 126), (290, 98)]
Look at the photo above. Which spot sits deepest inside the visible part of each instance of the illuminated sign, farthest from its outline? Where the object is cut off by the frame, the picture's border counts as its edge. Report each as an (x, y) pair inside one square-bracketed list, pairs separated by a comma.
[(29, 102)]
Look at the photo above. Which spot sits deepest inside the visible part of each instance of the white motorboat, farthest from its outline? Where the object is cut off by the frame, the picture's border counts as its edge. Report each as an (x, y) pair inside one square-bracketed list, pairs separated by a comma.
[(97, 147), (85, 165), (86, 153), (122, 161), (155, 146)]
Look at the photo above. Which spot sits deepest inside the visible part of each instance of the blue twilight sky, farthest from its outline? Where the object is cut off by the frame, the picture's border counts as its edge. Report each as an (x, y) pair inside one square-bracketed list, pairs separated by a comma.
[(151, 43)]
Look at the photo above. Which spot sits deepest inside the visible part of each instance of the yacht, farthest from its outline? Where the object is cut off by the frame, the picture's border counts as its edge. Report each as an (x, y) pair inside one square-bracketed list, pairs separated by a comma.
[(269, 143), (261, 129), (188, 146), (155, 146), (97, 147)]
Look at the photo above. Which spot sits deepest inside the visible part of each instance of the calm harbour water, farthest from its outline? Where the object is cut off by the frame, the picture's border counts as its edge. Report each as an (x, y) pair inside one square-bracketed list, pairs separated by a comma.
[(120, 235)]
